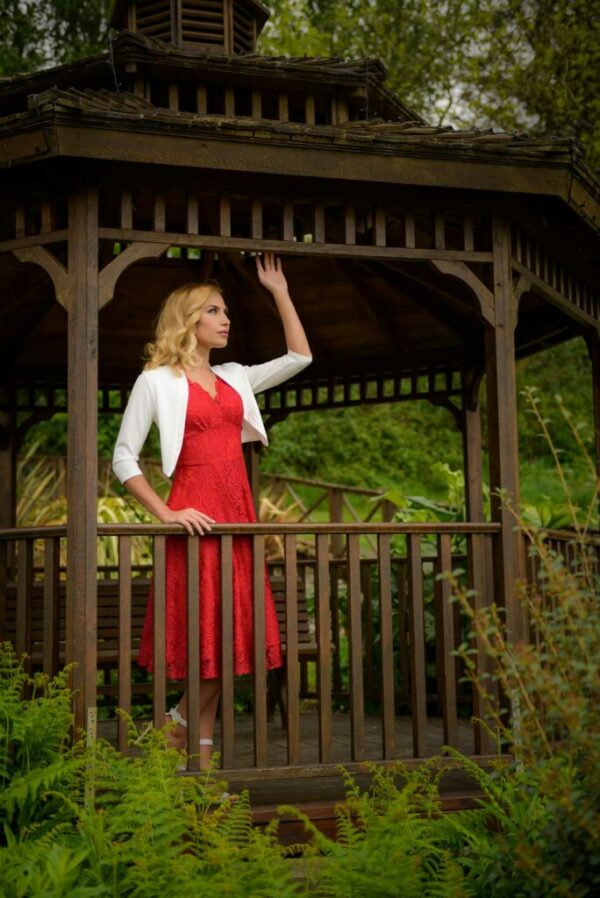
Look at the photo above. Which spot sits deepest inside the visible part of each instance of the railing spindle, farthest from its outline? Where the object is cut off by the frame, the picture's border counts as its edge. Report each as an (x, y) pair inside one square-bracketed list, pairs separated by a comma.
[(477, 583), (388, 718), (369, 636), (260, 665), (448, 645), (291, 649), (124, 640), (193, 650), (227, 716), (409, 230), (380, 227), (319, 223), (126, 208), (160, 212), (24, 598), (225, 217), (403, 631), (51, 613), (3, 587), (335, 628), (159, 692), (323, 647), (357, 724), (288, 220), (350, 225), (417, 646)]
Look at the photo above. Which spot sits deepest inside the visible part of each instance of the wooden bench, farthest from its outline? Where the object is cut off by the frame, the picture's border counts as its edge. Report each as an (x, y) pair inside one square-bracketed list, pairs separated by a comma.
[(45, 644)]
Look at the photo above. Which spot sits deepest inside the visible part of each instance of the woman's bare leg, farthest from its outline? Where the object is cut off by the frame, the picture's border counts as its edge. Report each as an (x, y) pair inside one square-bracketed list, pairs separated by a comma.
[(210, 691)]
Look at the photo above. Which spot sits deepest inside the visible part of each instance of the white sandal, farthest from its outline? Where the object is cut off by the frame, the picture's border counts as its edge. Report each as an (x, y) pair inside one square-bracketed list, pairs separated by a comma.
[(175, 715)]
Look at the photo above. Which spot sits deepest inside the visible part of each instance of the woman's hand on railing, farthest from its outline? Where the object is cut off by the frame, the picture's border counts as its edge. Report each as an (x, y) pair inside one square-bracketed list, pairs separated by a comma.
[(190, 518)]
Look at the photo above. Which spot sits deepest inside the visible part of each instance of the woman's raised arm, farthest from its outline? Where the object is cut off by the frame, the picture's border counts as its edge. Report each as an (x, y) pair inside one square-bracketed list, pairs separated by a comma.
[(271, 276)]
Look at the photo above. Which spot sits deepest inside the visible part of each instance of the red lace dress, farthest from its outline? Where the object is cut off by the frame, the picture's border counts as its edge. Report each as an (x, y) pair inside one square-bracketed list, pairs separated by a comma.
[(211, 476)]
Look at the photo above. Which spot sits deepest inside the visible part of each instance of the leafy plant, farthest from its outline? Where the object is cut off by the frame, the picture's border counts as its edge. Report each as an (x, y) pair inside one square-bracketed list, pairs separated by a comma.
[(85, 820), (543, 807)]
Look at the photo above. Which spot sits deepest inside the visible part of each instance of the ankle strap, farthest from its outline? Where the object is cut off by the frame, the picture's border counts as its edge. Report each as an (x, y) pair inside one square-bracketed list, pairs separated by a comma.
[(176, 716)]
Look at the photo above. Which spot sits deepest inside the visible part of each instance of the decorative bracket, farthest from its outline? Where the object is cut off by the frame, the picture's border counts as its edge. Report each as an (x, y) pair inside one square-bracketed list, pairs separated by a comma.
[(446, 402), (57, 272), (111, 273), (462, 271)]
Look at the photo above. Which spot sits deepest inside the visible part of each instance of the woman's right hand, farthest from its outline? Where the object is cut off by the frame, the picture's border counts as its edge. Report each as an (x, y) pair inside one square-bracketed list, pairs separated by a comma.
[(190, 518)]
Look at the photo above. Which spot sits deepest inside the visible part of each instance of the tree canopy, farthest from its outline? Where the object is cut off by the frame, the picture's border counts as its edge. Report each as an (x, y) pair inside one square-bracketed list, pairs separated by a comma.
[(35, 34), (524, 65)]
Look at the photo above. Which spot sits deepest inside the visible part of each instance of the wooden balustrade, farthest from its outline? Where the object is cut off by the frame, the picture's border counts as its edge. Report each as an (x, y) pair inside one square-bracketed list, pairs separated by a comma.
[(373, 636)]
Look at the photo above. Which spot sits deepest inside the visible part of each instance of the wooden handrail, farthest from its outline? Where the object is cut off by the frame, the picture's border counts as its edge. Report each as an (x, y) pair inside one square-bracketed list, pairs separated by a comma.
[(60, 530), (260, 528), (323, 484)]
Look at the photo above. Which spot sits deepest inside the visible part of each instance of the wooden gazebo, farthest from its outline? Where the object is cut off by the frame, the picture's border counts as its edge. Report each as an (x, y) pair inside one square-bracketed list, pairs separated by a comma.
[(421, 259)]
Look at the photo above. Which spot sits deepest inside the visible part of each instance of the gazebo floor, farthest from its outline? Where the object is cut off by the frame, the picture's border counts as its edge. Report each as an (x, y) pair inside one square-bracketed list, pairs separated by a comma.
[(304, 785)]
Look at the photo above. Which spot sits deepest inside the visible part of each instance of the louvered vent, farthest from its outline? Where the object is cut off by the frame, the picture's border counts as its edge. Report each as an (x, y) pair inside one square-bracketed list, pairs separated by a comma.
[(202, 22), (153, 18), (244, 28), (219, 26)]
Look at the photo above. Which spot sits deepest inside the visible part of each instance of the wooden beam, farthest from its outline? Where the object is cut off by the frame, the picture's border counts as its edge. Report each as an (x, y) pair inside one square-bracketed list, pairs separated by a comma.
[(554, 295), (9, 246), (227, 243), (502, 429), (82, 452)]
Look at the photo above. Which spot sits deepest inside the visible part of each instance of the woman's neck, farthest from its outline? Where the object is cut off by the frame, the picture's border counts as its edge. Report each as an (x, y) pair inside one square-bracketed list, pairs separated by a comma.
[(202, 366)]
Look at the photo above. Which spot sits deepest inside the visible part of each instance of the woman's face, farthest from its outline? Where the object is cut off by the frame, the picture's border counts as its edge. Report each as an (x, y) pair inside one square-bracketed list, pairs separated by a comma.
[(212, 328)]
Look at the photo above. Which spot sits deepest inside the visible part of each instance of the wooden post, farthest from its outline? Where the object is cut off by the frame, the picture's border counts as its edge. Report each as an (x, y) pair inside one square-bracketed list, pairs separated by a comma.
[(594, 351), (82, 467), (502, 428), (335, 500), (471, 434), (8, 461)]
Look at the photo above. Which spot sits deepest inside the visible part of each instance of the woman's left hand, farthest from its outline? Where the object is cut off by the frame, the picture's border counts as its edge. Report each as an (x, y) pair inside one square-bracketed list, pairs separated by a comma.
[(270, 273)]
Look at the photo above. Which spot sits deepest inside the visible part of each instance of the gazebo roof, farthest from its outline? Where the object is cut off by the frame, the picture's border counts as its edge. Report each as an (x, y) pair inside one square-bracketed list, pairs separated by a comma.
[(283, 142), (128, 50)]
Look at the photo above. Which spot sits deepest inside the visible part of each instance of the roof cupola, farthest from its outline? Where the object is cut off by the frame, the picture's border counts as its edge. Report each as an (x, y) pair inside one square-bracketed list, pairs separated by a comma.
[(219, 26)]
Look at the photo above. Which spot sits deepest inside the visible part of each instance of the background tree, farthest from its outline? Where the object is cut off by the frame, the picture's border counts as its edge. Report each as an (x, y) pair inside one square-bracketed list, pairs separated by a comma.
[(35, 34), (525, 65)]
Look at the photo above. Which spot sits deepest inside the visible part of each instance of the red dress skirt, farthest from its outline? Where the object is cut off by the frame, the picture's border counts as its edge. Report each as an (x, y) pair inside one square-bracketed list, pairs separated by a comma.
[(211, 476)]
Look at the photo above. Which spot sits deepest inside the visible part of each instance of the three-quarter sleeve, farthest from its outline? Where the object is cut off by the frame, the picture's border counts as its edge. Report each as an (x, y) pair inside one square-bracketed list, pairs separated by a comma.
[(270, 374), (137, 420)]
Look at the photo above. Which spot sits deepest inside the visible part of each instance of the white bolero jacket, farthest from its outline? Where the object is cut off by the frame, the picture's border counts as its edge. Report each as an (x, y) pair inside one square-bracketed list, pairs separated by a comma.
[(160, 396)]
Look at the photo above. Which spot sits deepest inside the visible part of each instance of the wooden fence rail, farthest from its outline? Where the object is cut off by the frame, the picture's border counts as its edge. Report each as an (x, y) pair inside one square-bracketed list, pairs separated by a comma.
[(373, 636)]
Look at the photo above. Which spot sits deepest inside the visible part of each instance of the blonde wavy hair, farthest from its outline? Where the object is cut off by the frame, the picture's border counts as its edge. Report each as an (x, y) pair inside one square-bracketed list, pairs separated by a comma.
[(175, 339)]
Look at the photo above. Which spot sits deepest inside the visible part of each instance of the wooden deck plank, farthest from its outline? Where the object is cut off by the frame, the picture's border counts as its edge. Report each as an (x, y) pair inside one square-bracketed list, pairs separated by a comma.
[(340, 750)]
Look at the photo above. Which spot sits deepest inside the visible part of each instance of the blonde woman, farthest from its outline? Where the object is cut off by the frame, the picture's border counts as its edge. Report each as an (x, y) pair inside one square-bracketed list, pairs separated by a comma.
[(203, 414)]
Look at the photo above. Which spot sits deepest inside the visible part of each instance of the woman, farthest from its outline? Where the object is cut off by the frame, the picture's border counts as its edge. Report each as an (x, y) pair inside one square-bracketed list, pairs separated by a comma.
[(203, 415)]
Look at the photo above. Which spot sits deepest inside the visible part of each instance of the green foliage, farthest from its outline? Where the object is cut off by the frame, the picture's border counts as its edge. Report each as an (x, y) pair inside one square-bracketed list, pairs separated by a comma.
[(34, 35), (536, 67), (373, 446), (88, 821), (543, 808), (391, 841)]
